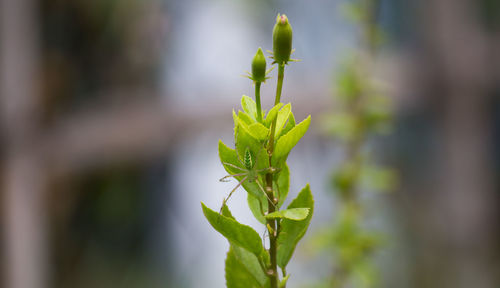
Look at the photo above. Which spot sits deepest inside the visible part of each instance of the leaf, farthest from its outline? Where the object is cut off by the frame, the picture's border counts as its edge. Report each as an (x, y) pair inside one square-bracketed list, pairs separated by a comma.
[(251, 263), (272, 114), (289, 125), (259, 131), (245, 140), (285, 144), (296, 214), (283, 115), (283, 281), (237, 274), (282, 184), (226, 212), (237, 233), (254, 204), (249, 106), (245, 118), (247, 259), (235, 120), (291, 231), (228, 155)]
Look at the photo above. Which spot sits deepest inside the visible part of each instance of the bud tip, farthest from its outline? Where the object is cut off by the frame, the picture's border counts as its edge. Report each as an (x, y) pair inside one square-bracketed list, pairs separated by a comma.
[(283, 19)]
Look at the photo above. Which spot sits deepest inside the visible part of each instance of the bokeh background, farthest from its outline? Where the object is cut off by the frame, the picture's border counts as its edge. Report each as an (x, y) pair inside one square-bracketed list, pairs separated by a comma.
[(111, 112)]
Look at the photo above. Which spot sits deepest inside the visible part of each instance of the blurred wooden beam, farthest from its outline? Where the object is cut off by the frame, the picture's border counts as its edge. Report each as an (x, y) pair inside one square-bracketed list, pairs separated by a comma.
[(135, 130), (25, 248), (458, 229)]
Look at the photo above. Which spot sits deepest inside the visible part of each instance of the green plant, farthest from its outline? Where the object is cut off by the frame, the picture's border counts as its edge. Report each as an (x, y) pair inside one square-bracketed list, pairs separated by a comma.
[(362, 111), (258, 163)]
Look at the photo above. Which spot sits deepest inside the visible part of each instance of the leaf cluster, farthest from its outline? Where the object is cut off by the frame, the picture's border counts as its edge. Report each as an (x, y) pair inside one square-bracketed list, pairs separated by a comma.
[(248, 262)]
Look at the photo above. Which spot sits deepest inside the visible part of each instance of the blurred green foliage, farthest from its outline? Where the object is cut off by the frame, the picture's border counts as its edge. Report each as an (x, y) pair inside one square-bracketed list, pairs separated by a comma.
[(362, 111)]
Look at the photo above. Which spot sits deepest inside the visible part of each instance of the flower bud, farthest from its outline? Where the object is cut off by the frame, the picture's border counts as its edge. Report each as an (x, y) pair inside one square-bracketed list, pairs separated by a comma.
[(282, 40), (259, 66)]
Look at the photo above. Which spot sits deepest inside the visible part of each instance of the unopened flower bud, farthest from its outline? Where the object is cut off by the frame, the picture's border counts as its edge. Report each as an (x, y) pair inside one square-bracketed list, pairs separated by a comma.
[(282, 40), (259, 66)]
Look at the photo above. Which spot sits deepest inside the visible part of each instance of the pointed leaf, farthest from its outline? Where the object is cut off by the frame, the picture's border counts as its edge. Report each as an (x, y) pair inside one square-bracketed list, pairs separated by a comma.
[(256, 133), (251, 264), (285, 144), (237, 275), (289, 125), (259, 131), (292, 231), (296, 214), (249, 106), (237, 233), (245, 118), (229, 156), (235, 120), (226, 212), (247, 259), (272, 114), (283, 115), (282, 184)]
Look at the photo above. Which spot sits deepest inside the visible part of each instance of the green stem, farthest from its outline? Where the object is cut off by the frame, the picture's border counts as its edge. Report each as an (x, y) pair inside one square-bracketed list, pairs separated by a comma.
[(273, 235), (272, 200), (279, 87), (281, 75), (257, 101)]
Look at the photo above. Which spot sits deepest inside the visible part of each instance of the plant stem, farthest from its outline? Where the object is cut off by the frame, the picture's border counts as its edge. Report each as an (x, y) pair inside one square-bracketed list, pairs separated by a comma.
[(279, 87), (281, 75), (271, 223), (257, 100), (272, 201)]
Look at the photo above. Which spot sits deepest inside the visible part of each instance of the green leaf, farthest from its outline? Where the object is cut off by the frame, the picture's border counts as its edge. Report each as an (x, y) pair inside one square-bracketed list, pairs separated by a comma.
[(251, 263), (245, 140), (235, 120), (272, 114), (289, 125), (283, 281), (283, 115), (237, 274), (226, 212), (228, 155), (259, 131), (285, 144), (249, 106), (237, 233), (247, 259), (282, 184), (245, 118), (255, 203), (296, 214), (291, 231)]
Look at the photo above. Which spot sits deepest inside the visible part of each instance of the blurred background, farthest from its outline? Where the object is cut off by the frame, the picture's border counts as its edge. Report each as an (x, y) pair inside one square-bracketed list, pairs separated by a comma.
[(111, 111)]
